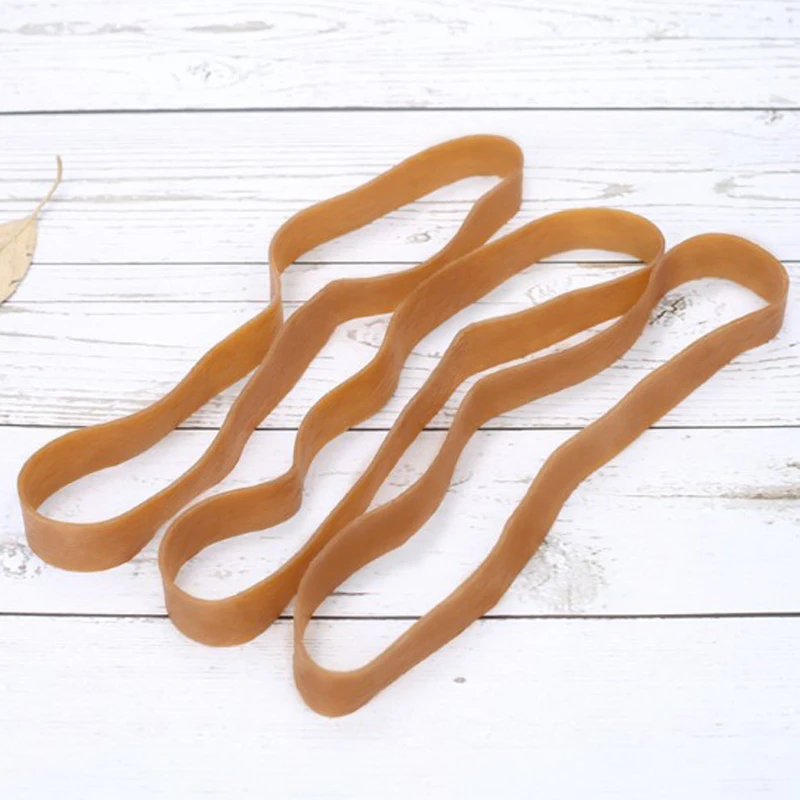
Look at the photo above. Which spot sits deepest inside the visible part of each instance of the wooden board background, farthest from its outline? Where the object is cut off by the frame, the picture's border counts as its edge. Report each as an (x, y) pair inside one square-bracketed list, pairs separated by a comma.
[(650, 648)]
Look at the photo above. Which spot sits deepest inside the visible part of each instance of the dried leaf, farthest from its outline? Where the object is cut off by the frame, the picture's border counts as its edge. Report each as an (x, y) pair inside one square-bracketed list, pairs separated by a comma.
[(17, 243)]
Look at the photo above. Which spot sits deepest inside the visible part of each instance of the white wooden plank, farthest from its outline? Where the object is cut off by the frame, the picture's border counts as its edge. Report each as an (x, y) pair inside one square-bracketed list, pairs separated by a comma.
[(417, 53), (683, 522), (211, 188), (513, 709), (77, 363), (219, 283)]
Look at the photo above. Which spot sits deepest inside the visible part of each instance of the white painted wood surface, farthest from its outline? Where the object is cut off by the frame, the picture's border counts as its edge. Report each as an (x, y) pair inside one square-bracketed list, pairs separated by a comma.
[(650, 648), (210, 188), (667, 528), (80, 363), (412, 53), (513, 709)]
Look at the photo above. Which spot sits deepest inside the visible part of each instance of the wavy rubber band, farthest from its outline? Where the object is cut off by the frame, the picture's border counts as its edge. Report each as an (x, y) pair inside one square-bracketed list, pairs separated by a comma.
[(419, 299)]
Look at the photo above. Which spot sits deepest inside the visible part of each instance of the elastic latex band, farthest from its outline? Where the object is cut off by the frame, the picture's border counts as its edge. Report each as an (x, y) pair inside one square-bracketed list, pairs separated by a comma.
[(363, 537), (420, 299), (240, 617), (100, 545)]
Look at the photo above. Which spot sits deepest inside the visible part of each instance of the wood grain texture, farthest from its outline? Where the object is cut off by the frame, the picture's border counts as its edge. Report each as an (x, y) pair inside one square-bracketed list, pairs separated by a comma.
[(704, 521), (626, 660), (413, 53), (512, 709), (80, 363), (211, 188)]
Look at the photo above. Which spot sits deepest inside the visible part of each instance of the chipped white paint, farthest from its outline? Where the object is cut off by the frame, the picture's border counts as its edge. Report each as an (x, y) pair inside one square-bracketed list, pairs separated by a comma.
[(666, 528), (155, 247), (410, 53), (209, 188), (79, 363)]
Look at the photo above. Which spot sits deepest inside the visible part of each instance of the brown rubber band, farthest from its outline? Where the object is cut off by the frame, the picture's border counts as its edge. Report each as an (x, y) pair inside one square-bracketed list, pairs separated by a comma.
[(362, 537), (100, 545), (421, 299), (240, 617)]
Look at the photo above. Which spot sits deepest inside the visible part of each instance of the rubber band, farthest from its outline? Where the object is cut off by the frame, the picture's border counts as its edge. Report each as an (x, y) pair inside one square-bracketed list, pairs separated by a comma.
[(419, 300)]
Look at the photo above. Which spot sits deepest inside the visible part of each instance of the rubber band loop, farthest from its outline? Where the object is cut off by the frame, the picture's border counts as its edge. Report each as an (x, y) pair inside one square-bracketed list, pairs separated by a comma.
[(277, 353), (371, 535), (100, 545)]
